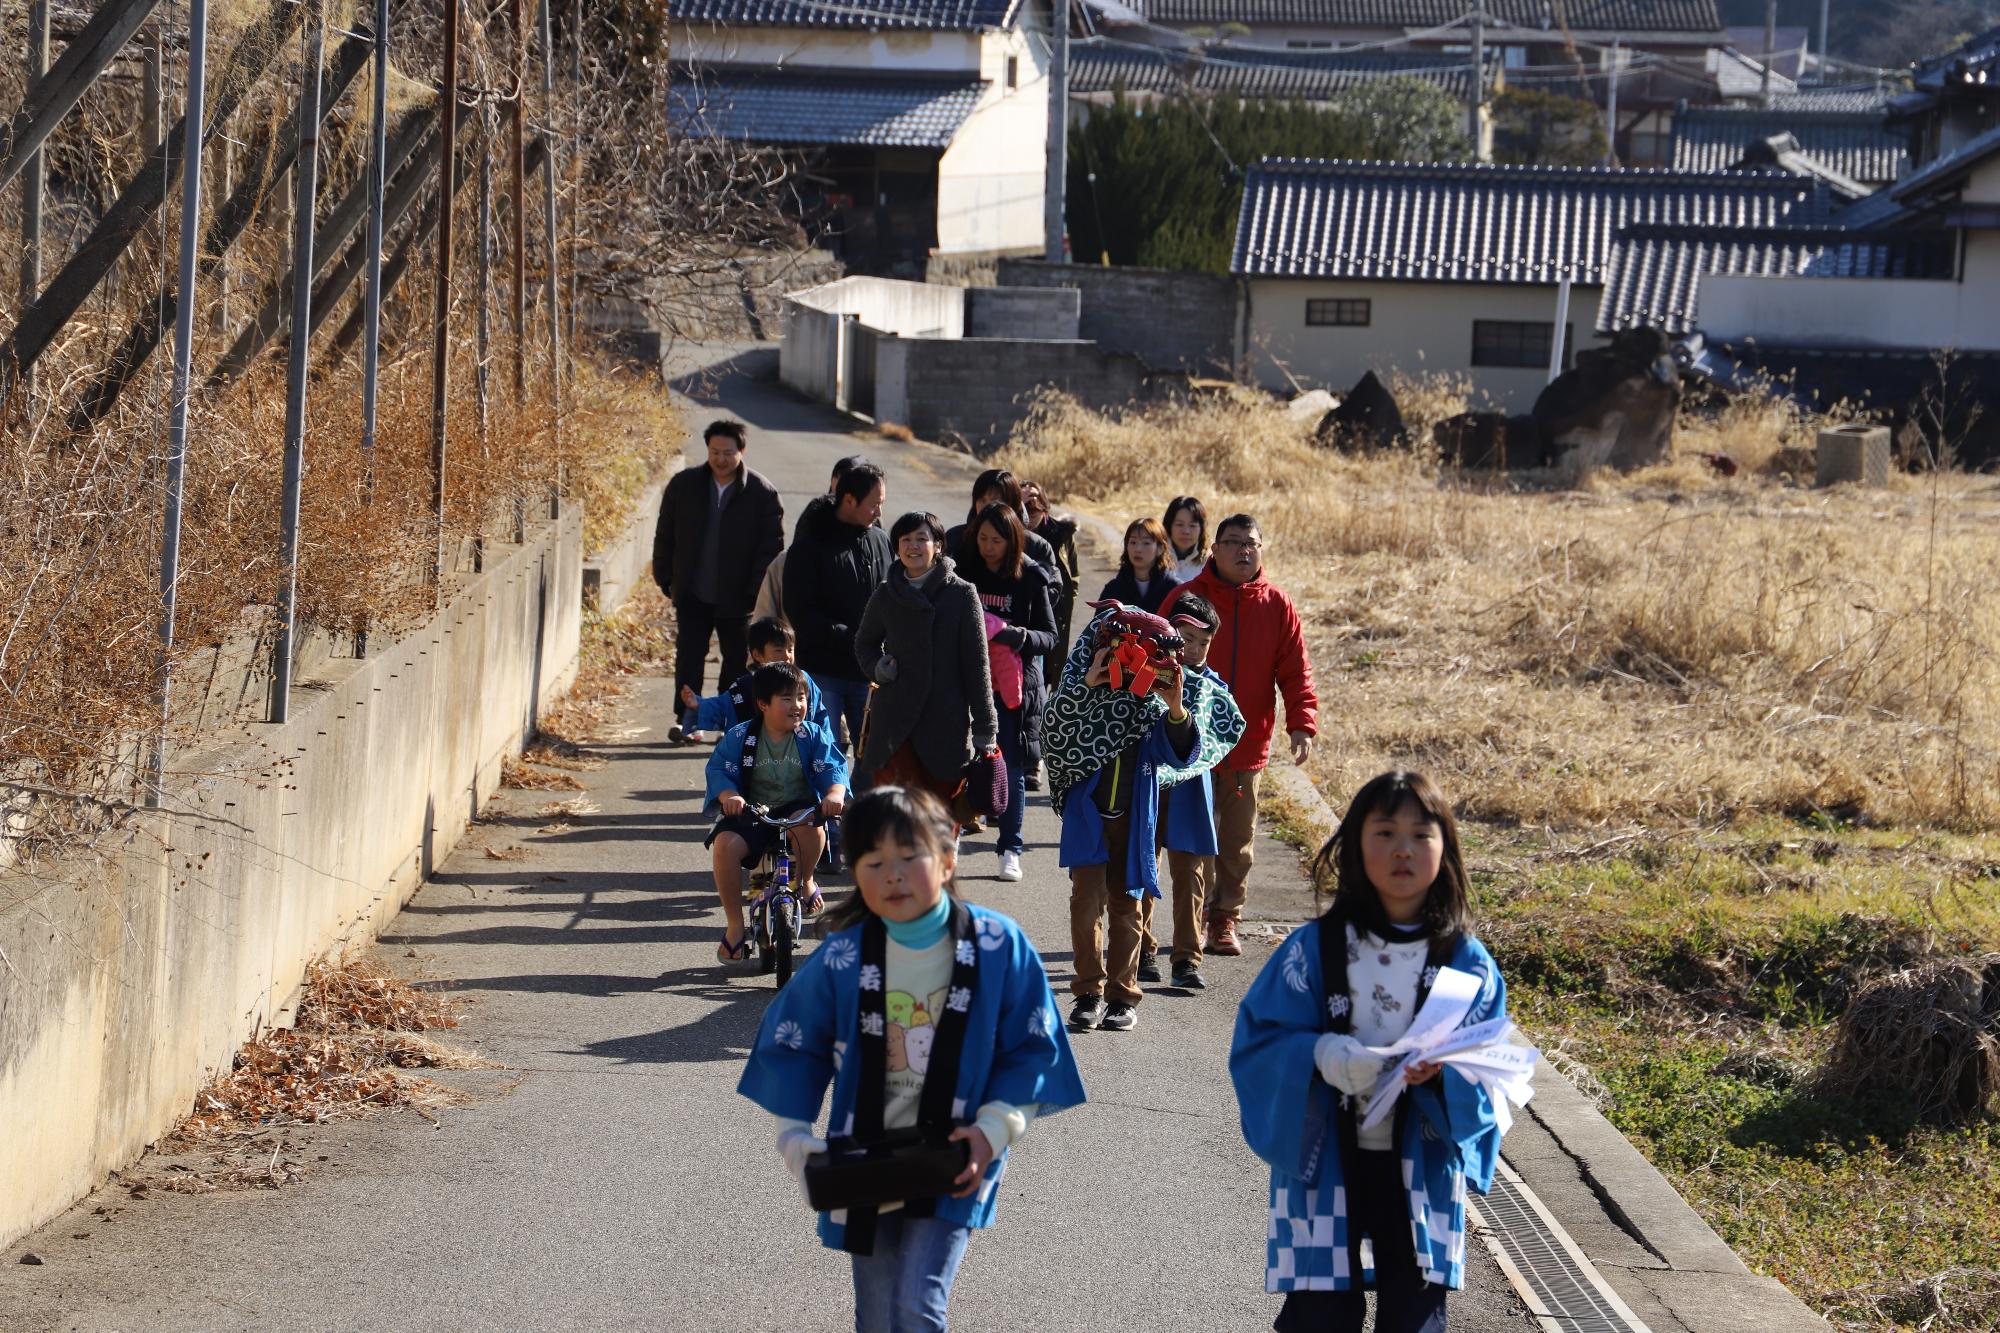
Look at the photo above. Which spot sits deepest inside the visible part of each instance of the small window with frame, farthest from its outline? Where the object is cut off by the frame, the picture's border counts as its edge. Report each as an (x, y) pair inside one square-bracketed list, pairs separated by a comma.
[(1341, 313), (1013, 73), (1518, 344)]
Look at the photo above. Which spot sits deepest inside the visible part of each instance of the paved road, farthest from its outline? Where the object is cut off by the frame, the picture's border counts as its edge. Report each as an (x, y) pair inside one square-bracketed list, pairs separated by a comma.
[(608, 1176)]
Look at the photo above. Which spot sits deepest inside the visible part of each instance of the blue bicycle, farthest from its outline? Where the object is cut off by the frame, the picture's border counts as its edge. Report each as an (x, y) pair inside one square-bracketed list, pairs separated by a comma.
[(775, 917)]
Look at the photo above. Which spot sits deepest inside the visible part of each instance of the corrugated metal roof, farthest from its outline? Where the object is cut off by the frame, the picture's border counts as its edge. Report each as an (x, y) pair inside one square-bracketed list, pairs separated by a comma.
[(1655, 272), (757, 104), (1738, 75), (1101, 65), (1631, 17), (1463, 222), (933, 15), (1856, 144)]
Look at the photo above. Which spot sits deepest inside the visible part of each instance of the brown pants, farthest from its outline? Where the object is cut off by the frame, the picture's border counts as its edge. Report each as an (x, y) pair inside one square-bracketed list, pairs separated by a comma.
[(1108, 969), (1235, 837), (1189, 873)]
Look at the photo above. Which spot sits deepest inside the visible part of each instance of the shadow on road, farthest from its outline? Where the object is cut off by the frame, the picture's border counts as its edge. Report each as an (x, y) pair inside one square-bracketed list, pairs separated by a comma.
[(724, 1032)]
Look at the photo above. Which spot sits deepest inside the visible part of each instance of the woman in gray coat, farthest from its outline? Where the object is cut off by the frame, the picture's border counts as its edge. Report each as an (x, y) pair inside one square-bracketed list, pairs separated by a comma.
[(922, 641)]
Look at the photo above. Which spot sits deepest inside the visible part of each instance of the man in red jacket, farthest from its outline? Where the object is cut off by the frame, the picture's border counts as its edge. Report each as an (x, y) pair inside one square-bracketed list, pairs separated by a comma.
[(1261, 652)]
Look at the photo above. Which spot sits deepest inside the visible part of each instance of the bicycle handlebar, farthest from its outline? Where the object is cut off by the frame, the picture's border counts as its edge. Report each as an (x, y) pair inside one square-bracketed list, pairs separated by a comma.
[(809, 815)]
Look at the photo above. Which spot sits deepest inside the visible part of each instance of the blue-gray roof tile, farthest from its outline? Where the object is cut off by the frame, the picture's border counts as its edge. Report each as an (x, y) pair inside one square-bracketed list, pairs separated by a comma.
[(1631, 17), (1655, 272), (1461, 222), (821, 107), (933, 15), (1857, 144), (1102, 65)]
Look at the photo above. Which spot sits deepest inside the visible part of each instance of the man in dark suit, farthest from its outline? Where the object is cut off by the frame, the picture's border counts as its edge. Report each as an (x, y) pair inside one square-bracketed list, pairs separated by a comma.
[(720, 526)]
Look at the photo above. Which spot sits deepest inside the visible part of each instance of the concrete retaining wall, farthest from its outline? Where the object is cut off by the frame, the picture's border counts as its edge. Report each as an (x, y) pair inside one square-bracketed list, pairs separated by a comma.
[(134, 973), (1021, 312), (908, 309), (978, 389), (809, 356), (1170, 321), (610, 575)]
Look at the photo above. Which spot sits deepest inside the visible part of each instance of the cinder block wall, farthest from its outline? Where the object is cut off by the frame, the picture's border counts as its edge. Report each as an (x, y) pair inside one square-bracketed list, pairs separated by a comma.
[(979, 389), (137, 971), (1022, 312), (1171, 321)]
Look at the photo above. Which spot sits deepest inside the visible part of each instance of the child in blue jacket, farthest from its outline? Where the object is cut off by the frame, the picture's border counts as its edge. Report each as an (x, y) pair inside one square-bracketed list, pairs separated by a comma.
[(1109, 753), (923, 1012), (769, 640), (1351, 980), (1187, 808), (782, 762)]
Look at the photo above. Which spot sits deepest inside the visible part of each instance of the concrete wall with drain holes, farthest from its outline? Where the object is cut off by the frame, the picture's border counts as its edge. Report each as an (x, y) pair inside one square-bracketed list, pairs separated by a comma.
[(132, 974)]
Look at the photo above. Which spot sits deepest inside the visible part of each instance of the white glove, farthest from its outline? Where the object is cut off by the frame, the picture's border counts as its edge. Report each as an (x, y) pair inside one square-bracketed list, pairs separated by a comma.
[(1348, 1065), (797, 1144)]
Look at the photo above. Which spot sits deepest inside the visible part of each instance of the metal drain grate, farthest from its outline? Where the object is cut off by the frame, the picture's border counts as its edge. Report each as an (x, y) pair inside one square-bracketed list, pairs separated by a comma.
[(1562, 1289)]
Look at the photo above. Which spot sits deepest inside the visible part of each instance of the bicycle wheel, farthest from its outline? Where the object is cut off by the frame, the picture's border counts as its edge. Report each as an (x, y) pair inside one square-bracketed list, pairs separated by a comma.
[(784, 936), (759, 918)]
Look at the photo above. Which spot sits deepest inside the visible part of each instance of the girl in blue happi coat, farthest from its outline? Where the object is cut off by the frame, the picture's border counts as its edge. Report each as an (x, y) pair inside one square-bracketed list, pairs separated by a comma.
[(912, 986), (1355, 978)]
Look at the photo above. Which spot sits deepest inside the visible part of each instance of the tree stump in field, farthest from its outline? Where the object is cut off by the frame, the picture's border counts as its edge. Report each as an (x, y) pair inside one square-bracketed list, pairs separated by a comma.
[(1927, 1037), (1615, 408)]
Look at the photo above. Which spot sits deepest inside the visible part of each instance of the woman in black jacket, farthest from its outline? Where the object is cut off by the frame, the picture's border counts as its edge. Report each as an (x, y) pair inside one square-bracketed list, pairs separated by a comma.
[(1144, 577), (999, 486), (1016, 593)]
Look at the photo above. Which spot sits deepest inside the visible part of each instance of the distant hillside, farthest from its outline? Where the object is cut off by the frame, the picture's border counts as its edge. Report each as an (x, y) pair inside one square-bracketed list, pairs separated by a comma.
[(1888, 33)]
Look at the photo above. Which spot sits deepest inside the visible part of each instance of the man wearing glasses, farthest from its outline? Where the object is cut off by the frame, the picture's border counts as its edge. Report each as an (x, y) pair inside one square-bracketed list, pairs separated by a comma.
[(1261, 652)]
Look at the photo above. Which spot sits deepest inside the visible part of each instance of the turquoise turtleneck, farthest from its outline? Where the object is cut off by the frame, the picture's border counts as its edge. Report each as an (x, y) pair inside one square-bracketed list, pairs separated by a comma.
[(925, 930)]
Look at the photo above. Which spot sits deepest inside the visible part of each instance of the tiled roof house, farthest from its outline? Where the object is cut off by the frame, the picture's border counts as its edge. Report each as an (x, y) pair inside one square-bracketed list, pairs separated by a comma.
[(925, 122), (1354, 266)]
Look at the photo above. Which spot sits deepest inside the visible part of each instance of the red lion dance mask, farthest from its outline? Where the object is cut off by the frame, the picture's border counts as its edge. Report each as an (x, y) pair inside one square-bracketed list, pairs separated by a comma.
[(1140, 642)]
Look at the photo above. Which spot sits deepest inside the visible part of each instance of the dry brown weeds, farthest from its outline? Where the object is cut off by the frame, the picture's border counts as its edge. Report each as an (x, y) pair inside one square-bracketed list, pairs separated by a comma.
[(1669, 645), (359, 1026)]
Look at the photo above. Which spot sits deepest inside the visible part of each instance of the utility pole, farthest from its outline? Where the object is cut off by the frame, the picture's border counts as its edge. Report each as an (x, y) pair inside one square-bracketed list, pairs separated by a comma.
[(1825, 45), (1058, 164), (517, 189), (1474, 131), (34, 185), (1611, 104), (177, 420), (441, 308), (1770, 45), (306, 175)]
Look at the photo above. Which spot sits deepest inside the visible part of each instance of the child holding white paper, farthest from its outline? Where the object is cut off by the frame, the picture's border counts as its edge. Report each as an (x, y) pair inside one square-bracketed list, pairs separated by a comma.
[(1353, 979)]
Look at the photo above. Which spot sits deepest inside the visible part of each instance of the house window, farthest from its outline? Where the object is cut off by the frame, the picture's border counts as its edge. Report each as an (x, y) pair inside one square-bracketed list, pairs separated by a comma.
[(1338, 314), (1013, 72), (1520, 344)]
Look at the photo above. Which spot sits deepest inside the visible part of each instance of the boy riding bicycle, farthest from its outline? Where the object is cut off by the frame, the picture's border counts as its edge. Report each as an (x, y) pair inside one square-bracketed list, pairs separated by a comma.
[(783, 763)]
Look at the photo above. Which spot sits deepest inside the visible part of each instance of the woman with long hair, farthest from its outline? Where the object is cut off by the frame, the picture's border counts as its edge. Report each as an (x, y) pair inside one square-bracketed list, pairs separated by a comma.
[(1143, 579), (1014, 593)]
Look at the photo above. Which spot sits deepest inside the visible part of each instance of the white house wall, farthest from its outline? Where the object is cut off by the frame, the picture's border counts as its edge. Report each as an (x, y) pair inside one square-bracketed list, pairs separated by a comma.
[(991, 180), (1415, 327), (1861, 312), (815, 48)]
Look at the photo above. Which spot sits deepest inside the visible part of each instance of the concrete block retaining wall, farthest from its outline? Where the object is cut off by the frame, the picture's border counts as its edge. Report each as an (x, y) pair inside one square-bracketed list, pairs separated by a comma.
[(979, 389), (1170, 321), (134, 973), (1021, 312)]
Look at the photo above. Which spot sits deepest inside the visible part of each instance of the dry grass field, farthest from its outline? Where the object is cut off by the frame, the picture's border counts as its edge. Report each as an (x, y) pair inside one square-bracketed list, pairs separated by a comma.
[(1729, 752)]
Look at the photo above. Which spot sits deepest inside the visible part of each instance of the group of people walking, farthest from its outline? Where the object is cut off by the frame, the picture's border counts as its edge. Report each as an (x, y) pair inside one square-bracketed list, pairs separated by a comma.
[(894, 673)]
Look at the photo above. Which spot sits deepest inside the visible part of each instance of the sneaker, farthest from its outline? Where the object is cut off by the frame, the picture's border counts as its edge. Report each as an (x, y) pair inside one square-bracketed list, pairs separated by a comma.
[(675, 736), (1120, 1018), (1034, 779), (1010, 866), (1149, 969), (1222, 937), (1088, 1013), (1188, 977)]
